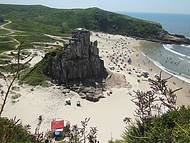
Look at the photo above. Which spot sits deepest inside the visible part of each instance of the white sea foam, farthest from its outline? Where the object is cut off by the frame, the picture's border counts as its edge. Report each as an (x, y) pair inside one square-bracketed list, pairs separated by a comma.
[(187, 46), (170, 47), (167, 70), (181, 58)]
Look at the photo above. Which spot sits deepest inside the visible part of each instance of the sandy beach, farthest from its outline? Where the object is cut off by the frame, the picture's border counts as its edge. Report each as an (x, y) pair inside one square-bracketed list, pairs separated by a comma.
[(107, 114)]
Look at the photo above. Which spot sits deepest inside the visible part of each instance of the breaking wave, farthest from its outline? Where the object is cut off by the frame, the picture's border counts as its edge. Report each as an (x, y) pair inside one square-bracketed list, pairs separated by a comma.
[(177, 75), (170, 49)]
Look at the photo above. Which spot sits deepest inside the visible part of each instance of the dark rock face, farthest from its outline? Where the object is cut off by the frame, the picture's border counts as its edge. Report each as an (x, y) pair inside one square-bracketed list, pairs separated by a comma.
[(176, 39), (78, 62), (166, 38)]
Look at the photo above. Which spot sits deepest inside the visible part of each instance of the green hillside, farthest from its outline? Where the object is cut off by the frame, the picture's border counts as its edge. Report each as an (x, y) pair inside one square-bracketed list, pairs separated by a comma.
[(42, 19)]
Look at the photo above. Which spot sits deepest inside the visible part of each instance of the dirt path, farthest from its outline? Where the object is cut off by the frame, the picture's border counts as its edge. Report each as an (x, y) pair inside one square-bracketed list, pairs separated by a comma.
[(11, 32), (58, 38)]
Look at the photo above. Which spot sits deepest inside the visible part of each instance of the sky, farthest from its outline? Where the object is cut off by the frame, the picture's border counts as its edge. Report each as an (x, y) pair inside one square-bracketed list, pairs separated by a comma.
[(152, 6)]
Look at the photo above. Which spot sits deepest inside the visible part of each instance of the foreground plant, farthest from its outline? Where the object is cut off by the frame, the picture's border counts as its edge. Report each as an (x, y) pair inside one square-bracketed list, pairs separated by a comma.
[(159, 118), (12, 131)]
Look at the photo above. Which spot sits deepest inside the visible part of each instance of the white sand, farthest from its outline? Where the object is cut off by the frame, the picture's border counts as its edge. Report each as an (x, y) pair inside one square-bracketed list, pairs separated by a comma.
[(107, 115)]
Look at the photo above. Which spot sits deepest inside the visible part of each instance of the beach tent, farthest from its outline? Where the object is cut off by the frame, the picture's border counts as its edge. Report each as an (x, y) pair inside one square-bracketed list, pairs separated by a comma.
[(57, 124)]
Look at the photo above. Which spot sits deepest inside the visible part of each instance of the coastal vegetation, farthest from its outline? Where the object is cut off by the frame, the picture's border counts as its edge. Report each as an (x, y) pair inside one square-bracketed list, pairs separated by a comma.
[(42, 19), (11, 131), (12, 68), (3, 32), (6, 46), (34, 76)]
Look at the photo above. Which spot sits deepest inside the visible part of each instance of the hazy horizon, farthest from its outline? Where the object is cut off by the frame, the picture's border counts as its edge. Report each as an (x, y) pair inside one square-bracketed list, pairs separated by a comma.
[(143, 6)]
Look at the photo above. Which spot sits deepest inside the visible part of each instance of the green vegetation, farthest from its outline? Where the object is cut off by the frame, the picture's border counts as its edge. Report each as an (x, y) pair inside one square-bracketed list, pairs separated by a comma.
[(1, 19), (5, 39), (7, 46), (12, 68), (28, 37), (34, 76), (172, 127), (42, 19), (118, 141), (12, 133), (3, 32)]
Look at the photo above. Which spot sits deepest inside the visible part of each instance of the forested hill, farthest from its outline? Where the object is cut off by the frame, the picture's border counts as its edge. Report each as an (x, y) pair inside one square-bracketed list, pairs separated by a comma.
[(37, 18)]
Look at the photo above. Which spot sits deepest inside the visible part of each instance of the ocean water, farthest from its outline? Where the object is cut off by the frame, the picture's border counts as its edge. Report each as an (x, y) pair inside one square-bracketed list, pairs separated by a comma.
[(174, 59)]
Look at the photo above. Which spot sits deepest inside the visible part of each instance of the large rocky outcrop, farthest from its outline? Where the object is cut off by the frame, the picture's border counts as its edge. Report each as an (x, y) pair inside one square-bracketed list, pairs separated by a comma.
[(167, 38), (78, 62)]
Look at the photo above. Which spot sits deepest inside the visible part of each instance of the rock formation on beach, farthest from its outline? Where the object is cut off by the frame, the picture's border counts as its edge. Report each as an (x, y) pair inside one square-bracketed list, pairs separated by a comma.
[(78, 62)]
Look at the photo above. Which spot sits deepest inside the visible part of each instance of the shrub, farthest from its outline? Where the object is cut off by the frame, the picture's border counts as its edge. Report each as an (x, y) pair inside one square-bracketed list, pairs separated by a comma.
[(11, 132), (174, 126)]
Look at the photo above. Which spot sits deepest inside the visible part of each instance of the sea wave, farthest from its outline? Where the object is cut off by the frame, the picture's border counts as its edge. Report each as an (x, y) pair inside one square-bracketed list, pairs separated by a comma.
[(170, 47), (177, 75), (182, 59), (187, 46)]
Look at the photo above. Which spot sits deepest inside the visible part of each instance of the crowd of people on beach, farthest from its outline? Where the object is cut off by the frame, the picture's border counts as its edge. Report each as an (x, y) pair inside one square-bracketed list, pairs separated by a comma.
[(118, 54)]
